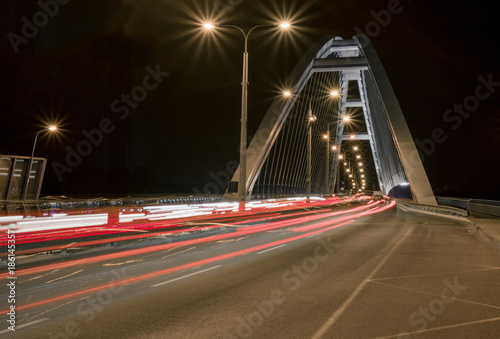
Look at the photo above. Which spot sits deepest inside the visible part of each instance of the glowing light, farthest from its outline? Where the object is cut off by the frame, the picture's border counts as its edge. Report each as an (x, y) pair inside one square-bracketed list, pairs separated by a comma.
[(52, 128), (162, 209), (355, 148), (345, 118), (352, 136), (325, 136), (348, 170), (208, 26), (285, 25), (341, 157), (287, 93), (360, 164), (358, 156), (362, 175), (334, 148), (361, 170), (334, 93)]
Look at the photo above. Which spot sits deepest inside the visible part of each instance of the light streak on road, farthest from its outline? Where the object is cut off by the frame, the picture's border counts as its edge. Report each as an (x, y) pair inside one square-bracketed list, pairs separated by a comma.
[(62, 226), (247, 230), (259, 248)]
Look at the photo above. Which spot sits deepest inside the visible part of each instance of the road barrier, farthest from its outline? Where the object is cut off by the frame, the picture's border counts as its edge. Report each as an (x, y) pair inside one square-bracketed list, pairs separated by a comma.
[(446, 210), (490, 207)]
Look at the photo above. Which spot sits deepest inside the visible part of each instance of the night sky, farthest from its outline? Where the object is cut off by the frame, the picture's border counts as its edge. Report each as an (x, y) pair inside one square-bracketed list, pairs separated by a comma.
[(85, 58)]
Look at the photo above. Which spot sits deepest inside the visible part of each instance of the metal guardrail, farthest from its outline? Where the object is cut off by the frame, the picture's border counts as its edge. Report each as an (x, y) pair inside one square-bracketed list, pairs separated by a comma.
[(490, 207), (455, 202), (446, 210), (49, 203)]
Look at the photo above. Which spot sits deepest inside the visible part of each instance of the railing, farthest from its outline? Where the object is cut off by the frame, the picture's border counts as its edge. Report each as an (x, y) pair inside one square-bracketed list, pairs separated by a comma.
[(447, 210), (490, 207), (455, 202)]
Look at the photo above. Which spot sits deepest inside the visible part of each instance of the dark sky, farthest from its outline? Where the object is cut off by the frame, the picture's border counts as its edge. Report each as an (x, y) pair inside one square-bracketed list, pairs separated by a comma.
[(82, 58)]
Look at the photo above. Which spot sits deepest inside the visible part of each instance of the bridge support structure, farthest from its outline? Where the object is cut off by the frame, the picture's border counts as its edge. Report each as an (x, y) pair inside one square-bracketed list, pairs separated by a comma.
[(343, 62)]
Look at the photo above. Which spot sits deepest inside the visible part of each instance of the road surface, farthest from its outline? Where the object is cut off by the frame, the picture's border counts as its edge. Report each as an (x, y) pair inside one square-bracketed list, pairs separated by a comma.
[(392, 274)]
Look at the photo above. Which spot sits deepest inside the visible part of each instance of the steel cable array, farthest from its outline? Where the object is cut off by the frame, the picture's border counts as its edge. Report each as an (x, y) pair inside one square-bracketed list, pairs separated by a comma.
[(284, 171)]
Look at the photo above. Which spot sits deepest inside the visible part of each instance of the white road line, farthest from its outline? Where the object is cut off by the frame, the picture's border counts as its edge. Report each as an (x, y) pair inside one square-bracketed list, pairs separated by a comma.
[(434, 295), (186, 276), (25, 325), (271, 249), (314, 235), (441, 328), (326, 326), (69, 275)]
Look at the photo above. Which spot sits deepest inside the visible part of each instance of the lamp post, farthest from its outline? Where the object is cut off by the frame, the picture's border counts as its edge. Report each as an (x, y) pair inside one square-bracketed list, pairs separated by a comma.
[(48, 128), (310, 119), (242, 184), (327, 163), (327, 137)]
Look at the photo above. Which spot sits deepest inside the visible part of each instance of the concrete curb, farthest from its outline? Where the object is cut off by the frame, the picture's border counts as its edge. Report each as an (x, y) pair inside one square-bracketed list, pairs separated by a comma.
[(478, 228), (450, 213)]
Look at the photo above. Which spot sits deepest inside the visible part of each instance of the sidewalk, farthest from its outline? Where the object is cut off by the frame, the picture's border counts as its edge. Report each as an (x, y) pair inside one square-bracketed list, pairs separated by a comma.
[(489, 227)]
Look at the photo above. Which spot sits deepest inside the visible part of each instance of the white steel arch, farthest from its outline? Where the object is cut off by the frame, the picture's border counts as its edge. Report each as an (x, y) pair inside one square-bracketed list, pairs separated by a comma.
[(396, 158)]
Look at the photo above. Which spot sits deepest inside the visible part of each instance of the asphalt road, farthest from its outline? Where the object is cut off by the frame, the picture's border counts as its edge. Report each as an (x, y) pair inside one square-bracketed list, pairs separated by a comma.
[(396, 274)]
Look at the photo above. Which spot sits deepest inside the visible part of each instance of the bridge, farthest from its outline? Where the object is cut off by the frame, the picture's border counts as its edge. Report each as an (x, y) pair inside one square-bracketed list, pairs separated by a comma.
[(376, 129), (303, 256)]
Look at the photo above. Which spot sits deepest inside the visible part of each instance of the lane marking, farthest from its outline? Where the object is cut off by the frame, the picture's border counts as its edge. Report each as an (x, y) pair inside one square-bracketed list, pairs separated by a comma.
[(314, 235), (334, 317), (170, 255), (186, 276), (432, 274), (452, 261), (25, 325), (69, 275), (271, 249), (121, 263), (441, 328), (434, 295)]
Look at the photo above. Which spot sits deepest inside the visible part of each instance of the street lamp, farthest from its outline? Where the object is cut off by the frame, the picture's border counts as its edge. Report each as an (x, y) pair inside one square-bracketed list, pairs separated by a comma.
[(333, 93), (51, 128), (242, 186)]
